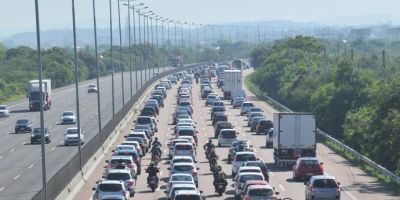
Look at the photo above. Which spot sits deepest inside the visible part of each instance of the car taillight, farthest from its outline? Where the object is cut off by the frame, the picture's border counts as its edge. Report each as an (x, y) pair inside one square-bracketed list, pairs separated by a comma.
[(247, 198), (130, 166), (194, 173), (123, 193), (130, 183), (312, 189)]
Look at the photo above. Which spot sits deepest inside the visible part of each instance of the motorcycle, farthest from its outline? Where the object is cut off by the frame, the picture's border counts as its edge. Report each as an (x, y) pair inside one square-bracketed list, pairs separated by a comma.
[(153, 183), (155, 158), (221, 187)]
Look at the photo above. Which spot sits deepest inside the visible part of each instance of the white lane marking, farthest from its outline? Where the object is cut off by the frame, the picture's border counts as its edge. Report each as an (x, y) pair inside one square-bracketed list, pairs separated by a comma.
[(1, 157), (24, 143), (282, 188), (52, 149), (12, 150), (16, 177), (1, 189), (30, 166), (348, 194)]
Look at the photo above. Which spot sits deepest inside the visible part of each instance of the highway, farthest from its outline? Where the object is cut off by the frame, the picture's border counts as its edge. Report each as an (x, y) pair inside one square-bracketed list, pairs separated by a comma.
[(20, 162), (356, 184)]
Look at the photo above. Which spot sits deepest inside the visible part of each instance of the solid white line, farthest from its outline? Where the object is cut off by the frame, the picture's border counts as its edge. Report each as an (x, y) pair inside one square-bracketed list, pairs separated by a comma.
[(23, 143), (1, 189), (282, 188), (30, 166), (15, 178), (348, 194)]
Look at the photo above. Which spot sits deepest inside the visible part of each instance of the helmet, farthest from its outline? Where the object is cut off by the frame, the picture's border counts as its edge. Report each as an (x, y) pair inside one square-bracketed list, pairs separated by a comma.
[(156, 139), (151, 164), (210, 141)]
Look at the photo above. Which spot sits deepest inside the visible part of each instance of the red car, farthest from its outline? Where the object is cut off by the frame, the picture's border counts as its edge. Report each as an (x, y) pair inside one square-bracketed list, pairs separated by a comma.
[(306, 167)]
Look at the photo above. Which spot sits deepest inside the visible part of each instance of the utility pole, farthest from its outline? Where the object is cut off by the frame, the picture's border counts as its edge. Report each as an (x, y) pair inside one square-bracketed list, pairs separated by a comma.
[(121, 52)]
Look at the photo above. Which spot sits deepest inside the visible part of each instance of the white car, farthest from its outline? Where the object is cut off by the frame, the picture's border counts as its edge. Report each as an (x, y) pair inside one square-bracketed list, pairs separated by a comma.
[(109, 187), (239, 158), (241, 179), (171, 146), (181, 159), (179, 178), (245, 107), (184, 149), (72, 138), (226, 137), (243, 169), (68, 117), (177, 187), (4, 112), (185, 168)]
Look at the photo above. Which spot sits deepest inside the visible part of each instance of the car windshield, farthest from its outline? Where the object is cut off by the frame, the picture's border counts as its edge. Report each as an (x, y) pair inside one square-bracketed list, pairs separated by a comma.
[(261, 192), (119, 148), (72, 131), (324, 183), (110, 187), (181, 178), (120, 161), (182, 160), (229, 134), (22, 121), (68, 114), (38, 131), (143, 120), (118, 176), (188, 197), (183, 167), (3, 107), (257, 164), (246, 157), (245, 178), (138, 139)]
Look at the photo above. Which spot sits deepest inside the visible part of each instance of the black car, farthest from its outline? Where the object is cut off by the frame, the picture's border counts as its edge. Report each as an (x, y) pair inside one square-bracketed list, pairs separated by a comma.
[(218, 117), (217, 109), (23, 125), (263, 126), (221, 125), (36, 136), (148, 111)]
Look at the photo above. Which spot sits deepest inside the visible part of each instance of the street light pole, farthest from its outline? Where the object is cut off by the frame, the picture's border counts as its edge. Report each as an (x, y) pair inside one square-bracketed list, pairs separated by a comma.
[(130, 47), (197, 36), (121, 56), (39, 55), (205, 36), (78, 118), (112, 61)]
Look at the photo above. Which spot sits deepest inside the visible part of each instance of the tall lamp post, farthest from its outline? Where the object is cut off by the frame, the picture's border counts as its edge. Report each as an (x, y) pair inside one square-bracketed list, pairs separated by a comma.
[(121, 55)]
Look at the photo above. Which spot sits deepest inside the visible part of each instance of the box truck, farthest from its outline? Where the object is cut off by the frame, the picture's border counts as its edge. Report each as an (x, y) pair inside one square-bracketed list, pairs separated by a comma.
[(34, 94), (232, 82)]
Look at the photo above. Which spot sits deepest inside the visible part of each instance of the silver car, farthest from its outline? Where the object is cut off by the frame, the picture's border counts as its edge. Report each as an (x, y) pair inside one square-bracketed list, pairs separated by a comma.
[(244, 109), (237, 101), (4, 112), (123, 175), (322, 187), (109, 187), (68, 117)]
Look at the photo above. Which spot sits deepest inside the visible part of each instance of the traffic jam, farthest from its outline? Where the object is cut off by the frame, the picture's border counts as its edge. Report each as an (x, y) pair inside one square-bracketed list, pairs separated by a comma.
[(169, 159)]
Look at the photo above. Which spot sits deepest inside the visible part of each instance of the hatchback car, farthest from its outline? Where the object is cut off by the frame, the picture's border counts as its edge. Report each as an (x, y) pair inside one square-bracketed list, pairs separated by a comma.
[(23, 125), (263, 126), (123, 175), (226, 137), (109, 187), (241, 178), (221, 125), (259, 192), (186, 168), (238, 101), (254, 122), (240, 158), (72, 138), (92, 88), (245, 107), (305, 167), (322, 187)]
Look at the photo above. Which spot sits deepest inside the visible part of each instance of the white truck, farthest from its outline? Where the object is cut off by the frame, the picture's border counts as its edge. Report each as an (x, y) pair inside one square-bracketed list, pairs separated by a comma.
[(232, 82), (34, 94), (294, 136)]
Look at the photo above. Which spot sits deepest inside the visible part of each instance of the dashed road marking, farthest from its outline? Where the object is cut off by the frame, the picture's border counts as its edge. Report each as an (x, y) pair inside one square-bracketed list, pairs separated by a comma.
[(1, 157), (282, 188), (348, 194), (30, 166), (1, 189), (24, 143), (12, 150), (52, 149), (16, 177)]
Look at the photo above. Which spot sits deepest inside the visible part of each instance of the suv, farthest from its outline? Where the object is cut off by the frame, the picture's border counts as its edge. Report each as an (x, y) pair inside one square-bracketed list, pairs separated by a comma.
[(219, 117), (240, 158), (263, 126), (215, 109), (23, 125), (306, 167), (226, 137), (4, 112), (322, 187), (109, 187), (36, 136), (68, 117), (221, 125), (72, 138), (146, 120), (122, 175)]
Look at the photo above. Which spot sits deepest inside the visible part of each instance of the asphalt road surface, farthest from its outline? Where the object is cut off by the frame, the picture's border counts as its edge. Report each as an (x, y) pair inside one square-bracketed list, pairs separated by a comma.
[(356, 184), (20, 163)]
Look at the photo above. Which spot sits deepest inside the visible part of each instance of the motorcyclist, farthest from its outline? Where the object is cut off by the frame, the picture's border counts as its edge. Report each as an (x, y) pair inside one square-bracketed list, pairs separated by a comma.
[(152, 170), (212, 158), (220, 179), (156, 150), (156, 142), (218, 171), (209, 145)]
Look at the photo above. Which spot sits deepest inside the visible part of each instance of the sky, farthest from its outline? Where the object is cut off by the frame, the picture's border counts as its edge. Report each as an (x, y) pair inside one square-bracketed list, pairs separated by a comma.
[(19, 16)]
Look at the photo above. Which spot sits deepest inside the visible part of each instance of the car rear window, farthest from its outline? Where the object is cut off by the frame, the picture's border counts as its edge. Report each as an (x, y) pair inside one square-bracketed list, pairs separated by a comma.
[(257, 164), (119, 161), (181, 178), (118, 176), (110, 187), (218, 109), (133, 154), (22, 121), (247, 104), (309, 162), (183, 167), (261, 192), (221, 118), (186, 132), (229, 134), (143, 120), (183, 147), (245, 157), (182, 160), (245, 178), (188, 197), (324, 183)]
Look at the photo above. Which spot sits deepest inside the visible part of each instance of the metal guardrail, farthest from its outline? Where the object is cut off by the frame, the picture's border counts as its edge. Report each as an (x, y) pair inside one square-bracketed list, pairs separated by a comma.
[(393, 177)]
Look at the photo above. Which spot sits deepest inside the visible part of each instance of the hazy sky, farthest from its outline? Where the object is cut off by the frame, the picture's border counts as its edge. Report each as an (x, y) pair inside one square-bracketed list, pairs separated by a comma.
[(18, 15)]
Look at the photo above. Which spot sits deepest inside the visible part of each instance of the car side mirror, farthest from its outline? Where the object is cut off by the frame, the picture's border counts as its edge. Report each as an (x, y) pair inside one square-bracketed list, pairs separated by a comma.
[(321, 163), (103, 177), (93, 189), (107, 161), (276, 193), (169, 168), (198, 168), (338, 183)]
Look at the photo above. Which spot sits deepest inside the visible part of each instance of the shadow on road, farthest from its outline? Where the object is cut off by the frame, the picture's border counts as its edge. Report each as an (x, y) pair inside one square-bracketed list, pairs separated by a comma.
[(21, 111)]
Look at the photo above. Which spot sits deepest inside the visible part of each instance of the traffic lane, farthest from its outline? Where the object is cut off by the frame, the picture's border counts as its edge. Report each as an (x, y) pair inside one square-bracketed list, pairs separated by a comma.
[(356, 184)]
